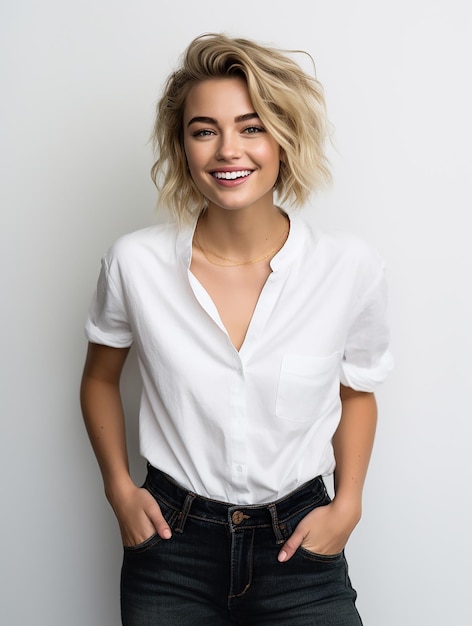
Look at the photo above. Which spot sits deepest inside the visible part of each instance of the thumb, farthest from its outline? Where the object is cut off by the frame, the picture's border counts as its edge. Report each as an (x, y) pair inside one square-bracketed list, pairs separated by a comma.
[(160, 524), (291, 545)]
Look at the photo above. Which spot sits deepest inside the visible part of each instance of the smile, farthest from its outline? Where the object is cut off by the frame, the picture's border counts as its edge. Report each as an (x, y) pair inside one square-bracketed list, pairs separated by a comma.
[(231, 175)]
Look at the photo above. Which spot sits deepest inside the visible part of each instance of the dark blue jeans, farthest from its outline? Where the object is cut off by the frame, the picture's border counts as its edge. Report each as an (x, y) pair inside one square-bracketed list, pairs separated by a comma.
[(220, 566)]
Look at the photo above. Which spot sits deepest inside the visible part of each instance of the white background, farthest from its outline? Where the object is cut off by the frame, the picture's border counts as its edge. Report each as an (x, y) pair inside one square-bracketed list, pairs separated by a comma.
[(79, 85)]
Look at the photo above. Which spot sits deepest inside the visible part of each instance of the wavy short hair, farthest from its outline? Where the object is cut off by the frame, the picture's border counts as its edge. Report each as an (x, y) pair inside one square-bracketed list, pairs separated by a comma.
[(289, 102)]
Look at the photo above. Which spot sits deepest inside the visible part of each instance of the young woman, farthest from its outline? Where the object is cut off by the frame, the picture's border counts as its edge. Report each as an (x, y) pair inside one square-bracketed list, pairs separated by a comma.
[(260, 341)]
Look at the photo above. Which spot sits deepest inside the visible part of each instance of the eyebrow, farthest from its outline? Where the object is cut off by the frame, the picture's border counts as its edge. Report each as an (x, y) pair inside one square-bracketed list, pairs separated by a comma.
[(210, 120)]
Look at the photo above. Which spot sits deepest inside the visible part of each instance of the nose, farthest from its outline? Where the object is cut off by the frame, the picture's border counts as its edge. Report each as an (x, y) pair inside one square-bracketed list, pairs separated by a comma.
[(228, 147)]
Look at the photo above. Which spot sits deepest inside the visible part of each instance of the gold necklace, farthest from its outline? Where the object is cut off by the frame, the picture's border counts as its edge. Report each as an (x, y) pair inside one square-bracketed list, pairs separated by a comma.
[(234, 263)]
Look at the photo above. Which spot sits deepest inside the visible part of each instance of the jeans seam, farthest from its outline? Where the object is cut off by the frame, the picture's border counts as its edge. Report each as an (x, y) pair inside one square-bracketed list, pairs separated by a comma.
[(275, 524), (183, 514), (232, 596)]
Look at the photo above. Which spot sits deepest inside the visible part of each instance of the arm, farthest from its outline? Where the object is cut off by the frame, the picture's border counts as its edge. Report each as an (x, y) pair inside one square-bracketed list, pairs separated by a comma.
[(326, 529), (137, 512)]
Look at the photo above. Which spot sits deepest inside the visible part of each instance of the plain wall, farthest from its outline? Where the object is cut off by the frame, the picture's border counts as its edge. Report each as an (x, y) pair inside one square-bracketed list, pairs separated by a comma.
[(79, 85)]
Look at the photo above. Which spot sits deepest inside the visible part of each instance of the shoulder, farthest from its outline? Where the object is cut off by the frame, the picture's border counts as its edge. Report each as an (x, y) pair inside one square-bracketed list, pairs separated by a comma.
[(153, 238), (342, 247), (340, 261), (154, 244), (352, 249)]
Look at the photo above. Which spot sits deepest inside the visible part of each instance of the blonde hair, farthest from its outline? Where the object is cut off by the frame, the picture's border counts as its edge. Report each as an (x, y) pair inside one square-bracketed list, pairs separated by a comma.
[(289, 102)]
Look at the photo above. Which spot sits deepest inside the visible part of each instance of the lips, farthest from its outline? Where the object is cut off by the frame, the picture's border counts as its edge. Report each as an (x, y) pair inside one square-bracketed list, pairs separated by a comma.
[(231, 175)]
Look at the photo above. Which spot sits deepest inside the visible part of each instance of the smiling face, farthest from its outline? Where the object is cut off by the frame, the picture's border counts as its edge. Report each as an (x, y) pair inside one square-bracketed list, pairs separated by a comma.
[(232, 159)]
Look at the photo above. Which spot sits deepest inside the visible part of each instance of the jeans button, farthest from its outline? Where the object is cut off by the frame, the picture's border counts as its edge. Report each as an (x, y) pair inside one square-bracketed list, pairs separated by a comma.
[(238, 517)]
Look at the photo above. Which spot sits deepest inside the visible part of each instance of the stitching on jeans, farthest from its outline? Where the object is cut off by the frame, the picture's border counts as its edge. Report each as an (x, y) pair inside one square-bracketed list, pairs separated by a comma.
[(275, 524), (152, 541), (322, 497), (183, 514), (251, 569)]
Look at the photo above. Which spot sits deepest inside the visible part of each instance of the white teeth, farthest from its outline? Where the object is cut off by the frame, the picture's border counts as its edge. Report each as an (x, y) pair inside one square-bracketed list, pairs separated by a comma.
[(232, 175)]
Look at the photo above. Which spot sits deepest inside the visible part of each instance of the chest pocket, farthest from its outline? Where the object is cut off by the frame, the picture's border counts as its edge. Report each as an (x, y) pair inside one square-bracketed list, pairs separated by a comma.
[(308, 386)]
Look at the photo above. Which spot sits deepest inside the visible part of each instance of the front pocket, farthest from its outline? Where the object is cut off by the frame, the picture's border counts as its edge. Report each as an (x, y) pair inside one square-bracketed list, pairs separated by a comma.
[(308, 386), (170, 515), (144, 545), (320, 558)]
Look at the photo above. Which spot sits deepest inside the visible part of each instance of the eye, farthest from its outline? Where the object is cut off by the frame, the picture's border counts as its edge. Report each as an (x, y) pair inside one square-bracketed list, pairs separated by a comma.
[(253, 130), (204, 132)]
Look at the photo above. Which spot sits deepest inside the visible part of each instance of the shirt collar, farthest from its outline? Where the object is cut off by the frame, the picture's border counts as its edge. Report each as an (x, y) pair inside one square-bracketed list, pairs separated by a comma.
[(284, 257), (293, 246), (184, 242)]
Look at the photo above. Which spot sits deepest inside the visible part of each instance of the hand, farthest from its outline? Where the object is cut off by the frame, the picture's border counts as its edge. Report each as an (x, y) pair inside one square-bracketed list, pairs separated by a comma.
[(325, 530), (139, 516)]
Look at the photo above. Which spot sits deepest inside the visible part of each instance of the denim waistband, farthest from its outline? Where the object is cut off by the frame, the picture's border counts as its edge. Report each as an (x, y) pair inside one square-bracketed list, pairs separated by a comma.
[(236, 516)]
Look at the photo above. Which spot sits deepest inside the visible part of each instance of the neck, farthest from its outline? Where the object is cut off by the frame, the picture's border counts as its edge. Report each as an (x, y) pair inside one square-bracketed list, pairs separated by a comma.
[(240, 234)]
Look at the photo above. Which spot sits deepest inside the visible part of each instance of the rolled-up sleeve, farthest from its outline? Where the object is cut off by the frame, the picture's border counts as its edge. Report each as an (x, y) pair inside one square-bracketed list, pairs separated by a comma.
[(367, 360), (107, 321)]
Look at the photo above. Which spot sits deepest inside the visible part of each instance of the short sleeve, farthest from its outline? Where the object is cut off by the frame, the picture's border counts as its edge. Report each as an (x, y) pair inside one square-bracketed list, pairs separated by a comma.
[(367, 360), (107, 321)]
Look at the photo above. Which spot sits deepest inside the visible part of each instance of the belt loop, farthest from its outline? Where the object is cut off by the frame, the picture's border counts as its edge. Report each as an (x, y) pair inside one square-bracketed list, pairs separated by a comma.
[(275, 524), (184, 512)]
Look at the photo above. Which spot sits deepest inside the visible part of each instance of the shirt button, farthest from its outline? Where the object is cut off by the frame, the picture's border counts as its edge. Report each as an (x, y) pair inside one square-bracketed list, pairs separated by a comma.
[(239, 468)]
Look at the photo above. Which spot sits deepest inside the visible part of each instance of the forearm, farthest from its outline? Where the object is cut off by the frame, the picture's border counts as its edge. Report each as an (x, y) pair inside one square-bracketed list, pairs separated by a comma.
[(137, 512), (353, 442), (103, 415)]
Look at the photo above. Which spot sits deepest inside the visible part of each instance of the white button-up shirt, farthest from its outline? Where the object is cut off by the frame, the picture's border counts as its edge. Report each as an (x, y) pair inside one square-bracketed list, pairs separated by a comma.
[(250, 426)]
